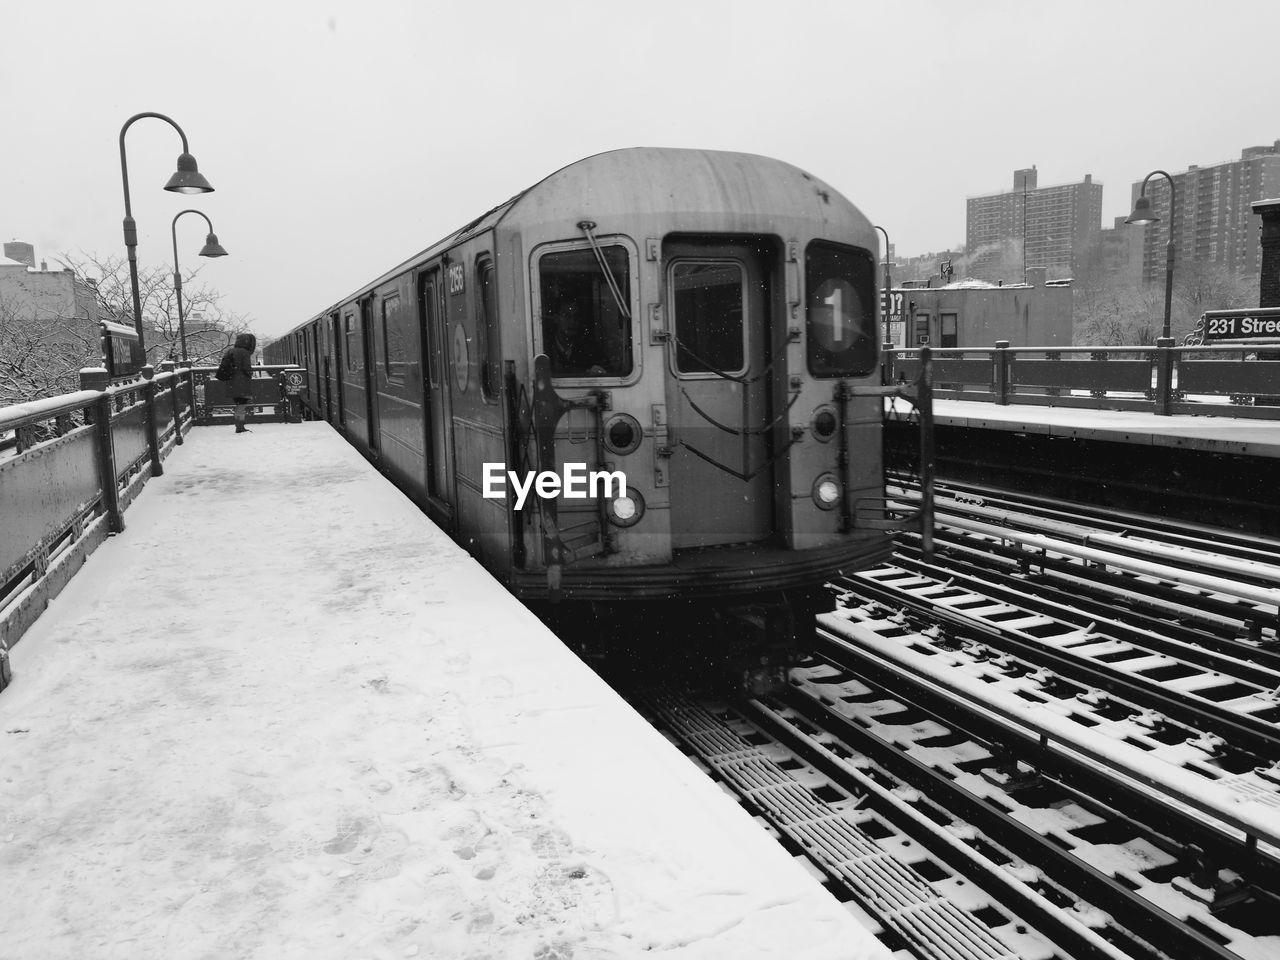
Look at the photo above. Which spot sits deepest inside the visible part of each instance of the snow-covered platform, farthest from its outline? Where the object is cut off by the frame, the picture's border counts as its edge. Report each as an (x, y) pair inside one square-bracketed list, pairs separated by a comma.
[(1245, 437), (283, 716)]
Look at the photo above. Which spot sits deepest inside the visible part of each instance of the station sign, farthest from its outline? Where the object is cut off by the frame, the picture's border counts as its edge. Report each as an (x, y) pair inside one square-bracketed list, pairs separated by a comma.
[(1258, 323)]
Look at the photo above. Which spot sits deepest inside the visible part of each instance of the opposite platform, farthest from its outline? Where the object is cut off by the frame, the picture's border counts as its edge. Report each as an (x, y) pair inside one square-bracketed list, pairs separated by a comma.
[(283, 716), (1243, 437)]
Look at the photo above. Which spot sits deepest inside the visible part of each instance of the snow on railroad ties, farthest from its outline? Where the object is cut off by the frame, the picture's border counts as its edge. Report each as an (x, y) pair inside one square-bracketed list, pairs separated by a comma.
[(1177, 786), (283, 716)]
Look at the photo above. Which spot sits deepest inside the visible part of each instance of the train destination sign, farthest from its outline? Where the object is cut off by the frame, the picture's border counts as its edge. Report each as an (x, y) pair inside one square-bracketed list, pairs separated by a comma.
[(1260, 323)]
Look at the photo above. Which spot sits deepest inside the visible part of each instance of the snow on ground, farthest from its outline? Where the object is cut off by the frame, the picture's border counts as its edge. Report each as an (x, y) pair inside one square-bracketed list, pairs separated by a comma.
[(1220, 434), (282, 716)]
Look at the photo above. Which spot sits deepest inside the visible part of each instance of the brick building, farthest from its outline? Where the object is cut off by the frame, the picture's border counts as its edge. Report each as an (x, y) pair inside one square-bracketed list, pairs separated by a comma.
[(1052, 225), (1213, 222)]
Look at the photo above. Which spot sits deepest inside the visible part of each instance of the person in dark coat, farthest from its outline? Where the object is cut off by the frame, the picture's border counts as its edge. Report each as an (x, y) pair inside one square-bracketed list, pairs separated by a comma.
[(569, 345), (240, 384)]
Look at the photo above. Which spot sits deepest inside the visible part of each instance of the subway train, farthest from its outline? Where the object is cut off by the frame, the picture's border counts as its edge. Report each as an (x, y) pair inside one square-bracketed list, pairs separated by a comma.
[(645, 389)]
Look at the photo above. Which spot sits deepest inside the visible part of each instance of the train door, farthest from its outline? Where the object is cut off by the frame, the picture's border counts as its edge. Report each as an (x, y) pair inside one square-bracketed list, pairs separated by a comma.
[(435, 391), (337, 356), (317, 370), (324, 365), (370, 374), (720, 392)]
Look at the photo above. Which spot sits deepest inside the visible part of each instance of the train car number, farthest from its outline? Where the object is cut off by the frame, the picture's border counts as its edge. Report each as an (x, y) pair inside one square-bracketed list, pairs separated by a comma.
[(457, 278)]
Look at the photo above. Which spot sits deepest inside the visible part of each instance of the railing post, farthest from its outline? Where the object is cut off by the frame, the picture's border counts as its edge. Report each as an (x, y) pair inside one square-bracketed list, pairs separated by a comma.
[(886, 364), (1000, 371), (189, 386), (97, 378), (168, 366), (1163, 375), (924, 404), (149, 409)]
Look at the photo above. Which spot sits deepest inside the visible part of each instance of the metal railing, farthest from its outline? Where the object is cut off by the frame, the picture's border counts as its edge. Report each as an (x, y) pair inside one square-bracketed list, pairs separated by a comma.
[(277, 387), (1213, 380), (77, 463), (71, 465)]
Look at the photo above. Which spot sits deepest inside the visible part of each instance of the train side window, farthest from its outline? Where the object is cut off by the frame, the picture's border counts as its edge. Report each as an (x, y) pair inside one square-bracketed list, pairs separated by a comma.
[(353, 342), (490, 342), (585, 331), (840, 314), (708, 297), (395, 353)]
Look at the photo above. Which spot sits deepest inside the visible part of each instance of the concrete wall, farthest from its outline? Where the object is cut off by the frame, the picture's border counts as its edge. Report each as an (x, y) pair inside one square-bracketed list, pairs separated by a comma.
[(1027, 315)]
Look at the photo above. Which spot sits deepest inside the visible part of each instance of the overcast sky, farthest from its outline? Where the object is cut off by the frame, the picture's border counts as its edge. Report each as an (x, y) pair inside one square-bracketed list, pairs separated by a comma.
[(342, 137)]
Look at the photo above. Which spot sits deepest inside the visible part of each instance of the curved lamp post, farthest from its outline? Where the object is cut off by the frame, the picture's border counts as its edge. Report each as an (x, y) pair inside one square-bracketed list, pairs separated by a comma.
[(187, 179), (888, 297), (211, 248), (1143, 214)]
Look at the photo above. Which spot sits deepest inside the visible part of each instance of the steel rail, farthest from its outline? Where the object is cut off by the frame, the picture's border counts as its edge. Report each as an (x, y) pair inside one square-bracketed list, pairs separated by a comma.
[(1175, 531), (1086, 536), (1068, 932), (1219, 613), (1260, 595), (1163, 929), (1093, 612), (1259, 737), (906, 905), (1124, 765)]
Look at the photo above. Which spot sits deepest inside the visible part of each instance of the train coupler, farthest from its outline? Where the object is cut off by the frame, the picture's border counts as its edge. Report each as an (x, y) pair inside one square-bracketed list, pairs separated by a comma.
[(767, 637)]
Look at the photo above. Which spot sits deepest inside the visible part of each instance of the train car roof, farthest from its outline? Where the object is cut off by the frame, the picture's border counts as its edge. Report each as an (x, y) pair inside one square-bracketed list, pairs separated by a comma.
[(656, 179)]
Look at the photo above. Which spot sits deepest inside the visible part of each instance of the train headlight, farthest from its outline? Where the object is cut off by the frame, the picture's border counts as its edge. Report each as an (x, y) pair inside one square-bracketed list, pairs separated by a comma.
[(627, 509), (622, 434), (826, 491), (825, 423)]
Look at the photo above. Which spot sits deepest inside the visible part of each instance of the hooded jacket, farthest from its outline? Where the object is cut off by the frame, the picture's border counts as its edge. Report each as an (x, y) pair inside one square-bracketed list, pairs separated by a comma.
[(241, 382)]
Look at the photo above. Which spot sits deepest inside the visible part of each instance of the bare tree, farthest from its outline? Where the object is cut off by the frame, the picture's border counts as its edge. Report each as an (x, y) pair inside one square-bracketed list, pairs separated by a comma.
[(42, 356), (210, 327), (1112, 307)]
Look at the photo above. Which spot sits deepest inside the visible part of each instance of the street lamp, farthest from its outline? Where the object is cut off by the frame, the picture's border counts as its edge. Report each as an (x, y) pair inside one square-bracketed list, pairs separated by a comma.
[(888, 297), (1143, 214), (211, 248), (187, 179)]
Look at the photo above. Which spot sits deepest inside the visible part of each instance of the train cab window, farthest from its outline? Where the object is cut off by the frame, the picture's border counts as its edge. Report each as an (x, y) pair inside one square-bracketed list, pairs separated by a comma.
[(840, 314), (586, 319), (707, 297), (394, 351), (490, 342)]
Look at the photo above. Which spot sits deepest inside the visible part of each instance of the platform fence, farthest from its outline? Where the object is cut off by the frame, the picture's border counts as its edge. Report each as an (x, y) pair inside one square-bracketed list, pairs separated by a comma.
[(1212, 380), (70, 466)]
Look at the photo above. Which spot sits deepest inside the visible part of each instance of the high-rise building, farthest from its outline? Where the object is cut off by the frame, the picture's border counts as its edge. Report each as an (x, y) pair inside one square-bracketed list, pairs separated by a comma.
[(1050, 226), (1213, 222)]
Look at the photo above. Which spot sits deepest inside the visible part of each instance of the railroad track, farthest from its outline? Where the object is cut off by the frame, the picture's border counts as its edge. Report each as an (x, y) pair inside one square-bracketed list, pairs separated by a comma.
[(1057, 736), (1222, 583), (1187, 646), (953, 846)]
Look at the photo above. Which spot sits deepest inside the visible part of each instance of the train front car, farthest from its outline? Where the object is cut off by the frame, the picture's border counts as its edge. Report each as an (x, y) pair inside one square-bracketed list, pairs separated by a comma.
[(700, 322)]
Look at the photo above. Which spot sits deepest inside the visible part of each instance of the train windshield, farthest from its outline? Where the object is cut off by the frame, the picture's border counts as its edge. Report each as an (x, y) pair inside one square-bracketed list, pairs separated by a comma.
[(840, 311), (584, 332)]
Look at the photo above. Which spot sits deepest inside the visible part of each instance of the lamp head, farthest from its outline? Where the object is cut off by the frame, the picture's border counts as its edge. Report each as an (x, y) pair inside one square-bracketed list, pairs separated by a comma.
[(188, 178), (1142, 212), (212, 248)]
